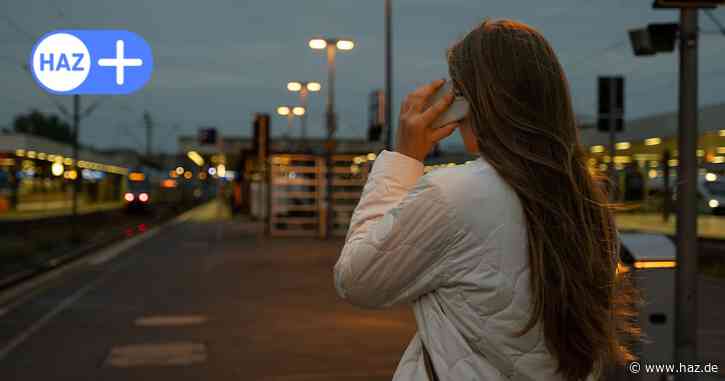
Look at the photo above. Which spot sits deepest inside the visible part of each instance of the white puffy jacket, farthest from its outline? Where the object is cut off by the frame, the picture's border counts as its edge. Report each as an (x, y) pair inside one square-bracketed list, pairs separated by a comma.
[(452, 243)]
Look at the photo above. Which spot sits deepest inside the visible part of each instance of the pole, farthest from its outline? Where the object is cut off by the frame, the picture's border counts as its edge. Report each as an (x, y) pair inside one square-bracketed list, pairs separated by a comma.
[(388, 76), (686, 285), (303, 122), (77, 181), (287, 134), (331, 120), (149, 125), (331, 117), (611, 121), (219, 185), (666, 207)]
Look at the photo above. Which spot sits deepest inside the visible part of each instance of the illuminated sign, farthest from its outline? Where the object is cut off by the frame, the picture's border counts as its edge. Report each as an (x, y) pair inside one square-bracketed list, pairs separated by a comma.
[(654, 264), (136, 176), (168, 183)]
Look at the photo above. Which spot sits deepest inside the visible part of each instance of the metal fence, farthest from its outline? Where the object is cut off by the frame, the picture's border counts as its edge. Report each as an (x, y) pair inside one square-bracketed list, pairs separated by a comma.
[(297, 190)]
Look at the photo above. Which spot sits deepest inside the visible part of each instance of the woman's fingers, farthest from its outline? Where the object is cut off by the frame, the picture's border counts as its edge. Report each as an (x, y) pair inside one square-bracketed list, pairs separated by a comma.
[(443, 132), (415, 137), (426, 91), (419, 97), (437, 109)]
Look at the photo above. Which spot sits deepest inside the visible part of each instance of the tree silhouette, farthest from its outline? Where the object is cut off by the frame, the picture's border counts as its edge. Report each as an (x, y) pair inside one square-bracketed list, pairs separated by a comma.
[(48, 126)]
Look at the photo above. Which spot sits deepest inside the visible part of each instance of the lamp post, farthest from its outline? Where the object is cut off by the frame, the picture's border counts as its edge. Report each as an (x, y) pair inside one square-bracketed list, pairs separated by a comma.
[(331, 45), (304, 88), (388, 75), (290, 112)]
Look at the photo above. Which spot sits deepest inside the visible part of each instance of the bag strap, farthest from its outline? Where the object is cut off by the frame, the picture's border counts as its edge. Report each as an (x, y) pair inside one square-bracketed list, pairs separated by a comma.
[(429, 369)]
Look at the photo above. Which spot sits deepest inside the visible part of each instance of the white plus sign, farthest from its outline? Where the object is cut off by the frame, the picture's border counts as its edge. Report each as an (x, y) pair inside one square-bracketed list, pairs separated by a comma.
[(120, 62)]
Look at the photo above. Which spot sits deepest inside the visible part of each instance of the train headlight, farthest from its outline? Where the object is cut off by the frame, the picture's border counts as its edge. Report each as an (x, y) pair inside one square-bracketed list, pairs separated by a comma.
[(128, 197), (143, 197)]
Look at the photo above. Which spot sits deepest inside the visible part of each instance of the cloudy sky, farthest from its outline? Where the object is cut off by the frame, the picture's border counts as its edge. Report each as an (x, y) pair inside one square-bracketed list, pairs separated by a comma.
[(217, 62)]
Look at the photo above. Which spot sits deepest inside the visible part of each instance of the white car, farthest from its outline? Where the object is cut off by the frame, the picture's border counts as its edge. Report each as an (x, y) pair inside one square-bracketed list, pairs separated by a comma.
[(710, 191), (713, 191)]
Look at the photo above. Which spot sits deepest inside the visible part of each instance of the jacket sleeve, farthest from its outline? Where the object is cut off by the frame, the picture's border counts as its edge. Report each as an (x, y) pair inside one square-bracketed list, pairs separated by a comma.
[(398, 238)]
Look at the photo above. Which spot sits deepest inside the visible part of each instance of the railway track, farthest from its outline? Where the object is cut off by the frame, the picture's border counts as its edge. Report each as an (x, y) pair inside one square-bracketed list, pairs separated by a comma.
[(99, 230)]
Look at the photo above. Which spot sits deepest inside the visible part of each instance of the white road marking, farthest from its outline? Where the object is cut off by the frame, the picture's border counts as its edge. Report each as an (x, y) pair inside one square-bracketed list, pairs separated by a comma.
[(27, 290), (34, 287), (164, 354), (170, 321), (20, 338), (113, 251)]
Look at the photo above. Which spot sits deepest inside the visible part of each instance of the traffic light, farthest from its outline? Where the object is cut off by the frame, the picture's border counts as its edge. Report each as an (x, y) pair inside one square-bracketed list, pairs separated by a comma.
[(207, 136), (611, 103)]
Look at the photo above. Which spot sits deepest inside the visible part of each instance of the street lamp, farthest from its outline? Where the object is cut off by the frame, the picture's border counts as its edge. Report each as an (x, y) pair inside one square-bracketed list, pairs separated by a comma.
[(196, 158), (331, 45), (290, 112), (304, 88)]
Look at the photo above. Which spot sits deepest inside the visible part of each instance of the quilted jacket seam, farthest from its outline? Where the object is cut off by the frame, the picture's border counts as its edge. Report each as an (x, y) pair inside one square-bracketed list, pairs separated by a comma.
[(437, 198)]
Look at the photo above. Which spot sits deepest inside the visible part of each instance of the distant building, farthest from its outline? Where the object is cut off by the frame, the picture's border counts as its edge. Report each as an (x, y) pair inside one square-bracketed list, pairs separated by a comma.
[(644, 140), (232, 145), (37, 173)]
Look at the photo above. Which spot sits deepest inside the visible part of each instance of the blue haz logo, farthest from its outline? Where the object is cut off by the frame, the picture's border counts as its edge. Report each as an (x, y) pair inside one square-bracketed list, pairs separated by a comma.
[(91, 61)]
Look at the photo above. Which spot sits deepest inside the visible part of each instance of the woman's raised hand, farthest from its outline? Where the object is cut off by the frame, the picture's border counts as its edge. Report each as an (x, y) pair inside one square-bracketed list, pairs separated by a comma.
[(415, 136)]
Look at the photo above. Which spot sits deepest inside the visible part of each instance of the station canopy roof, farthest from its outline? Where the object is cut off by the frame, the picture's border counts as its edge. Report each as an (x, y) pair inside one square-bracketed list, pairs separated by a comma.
[(711, 119)]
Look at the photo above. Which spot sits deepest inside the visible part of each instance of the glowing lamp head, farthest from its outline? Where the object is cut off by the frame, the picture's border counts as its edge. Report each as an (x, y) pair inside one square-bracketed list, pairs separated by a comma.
[(283, 110), (345, 45), (299, 111), (143, 197), (294, 86), (128, 197), (196, 158), (57, 169), (313, 86), (318, 43)]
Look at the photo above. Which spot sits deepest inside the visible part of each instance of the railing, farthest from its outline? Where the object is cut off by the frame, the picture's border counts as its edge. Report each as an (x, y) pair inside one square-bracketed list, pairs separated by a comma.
[(296, 191), (298, 186)]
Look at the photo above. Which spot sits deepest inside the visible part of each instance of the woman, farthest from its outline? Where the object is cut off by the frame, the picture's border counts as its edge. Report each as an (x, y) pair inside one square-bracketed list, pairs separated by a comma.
[(510, 261)]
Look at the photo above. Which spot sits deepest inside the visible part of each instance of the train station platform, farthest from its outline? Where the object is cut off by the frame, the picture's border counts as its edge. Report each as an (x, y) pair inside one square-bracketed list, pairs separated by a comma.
[(205, 297), (708, 226), (209, 296), (38, 210)]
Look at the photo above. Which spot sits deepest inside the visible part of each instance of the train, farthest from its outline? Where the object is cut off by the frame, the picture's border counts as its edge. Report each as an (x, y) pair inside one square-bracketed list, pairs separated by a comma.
[(147, 187)]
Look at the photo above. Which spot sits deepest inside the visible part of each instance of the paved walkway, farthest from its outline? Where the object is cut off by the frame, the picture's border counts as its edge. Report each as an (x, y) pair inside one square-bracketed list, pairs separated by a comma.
[(210, 298), (203, 300)]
